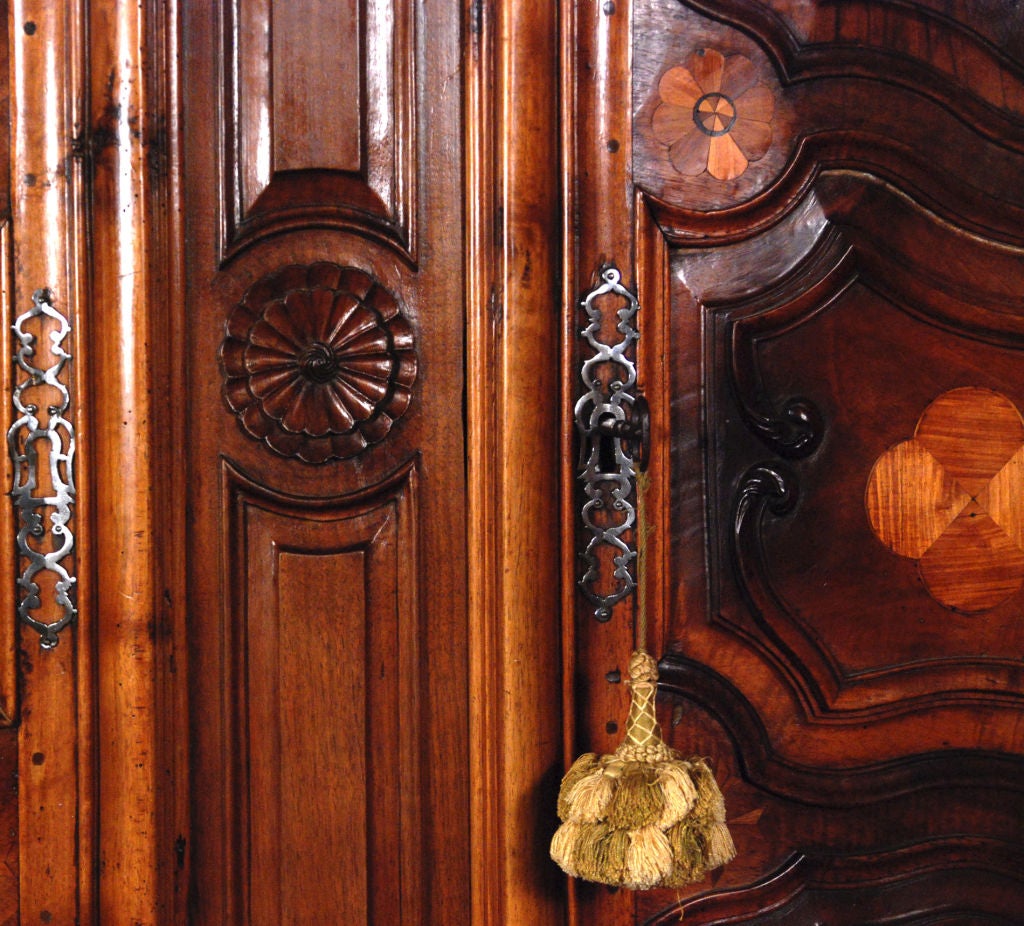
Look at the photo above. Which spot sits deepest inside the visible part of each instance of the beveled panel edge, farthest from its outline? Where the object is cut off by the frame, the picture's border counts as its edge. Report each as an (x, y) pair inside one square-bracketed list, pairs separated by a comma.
[(770, 772), (827, 694), (890, 876), (793, 428), (378, 203), (233, 474), (998, 221), (239, 490)]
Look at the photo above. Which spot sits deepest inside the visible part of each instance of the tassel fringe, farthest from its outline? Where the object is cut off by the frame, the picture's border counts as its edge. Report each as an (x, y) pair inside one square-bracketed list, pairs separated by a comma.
[(642, 817)]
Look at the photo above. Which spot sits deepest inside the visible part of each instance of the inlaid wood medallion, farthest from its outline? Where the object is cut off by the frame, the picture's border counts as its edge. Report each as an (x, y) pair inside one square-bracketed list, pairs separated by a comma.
[(714, 115), (318, 362), (951, 498)]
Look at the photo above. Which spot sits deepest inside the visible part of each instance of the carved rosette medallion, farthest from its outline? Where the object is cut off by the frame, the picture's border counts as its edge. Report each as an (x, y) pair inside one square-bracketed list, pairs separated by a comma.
[(950, 498), (318, 361)]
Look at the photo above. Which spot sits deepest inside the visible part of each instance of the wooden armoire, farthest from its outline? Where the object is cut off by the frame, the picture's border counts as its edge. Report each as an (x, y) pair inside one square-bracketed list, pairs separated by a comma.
[(292, 292)]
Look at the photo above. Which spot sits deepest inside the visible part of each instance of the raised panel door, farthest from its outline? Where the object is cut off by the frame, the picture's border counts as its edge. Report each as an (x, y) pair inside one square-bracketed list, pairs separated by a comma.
[(822, 219)]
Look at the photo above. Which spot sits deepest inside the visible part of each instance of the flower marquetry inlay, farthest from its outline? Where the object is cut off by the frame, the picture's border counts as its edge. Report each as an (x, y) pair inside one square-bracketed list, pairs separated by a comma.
[(714, 115), (952, 498), (319, 362)]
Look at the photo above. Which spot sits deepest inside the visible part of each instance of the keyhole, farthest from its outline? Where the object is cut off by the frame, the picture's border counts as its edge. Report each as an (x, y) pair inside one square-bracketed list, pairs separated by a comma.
[(606, 454)]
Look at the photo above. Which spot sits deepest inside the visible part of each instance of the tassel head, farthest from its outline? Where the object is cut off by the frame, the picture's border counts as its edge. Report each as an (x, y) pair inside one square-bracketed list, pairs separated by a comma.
[(642, 817)]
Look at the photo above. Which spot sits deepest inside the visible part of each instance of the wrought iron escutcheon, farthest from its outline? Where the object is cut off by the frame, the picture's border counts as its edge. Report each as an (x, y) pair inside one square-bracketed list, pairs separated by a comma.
[(613, 425), (42, 451)]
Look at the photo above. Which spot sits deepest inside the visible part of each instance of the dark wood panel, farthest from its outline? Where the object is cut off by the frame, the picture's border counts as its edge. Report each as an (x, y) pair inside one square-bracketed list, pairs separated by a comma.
[(874, 105), (815, 843), (823, 363), (832, 266)]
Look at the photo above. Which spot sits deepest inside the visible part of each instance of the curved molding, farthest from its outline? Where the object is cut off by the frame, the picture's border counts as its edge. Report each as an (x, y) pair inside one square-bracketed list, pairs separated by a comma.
[(826, 694), (35, 443), (794, 427), (799, 59), (304, 150), (237, 480), (771, 488), (990, 217), (905, 885), (744, 312), (317, 590), (771, 773)]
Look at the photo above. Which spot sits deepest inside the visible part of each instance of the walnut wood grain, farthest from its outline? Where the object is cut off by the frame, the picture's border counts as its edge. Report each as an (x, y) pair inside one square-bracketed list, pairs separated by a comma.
[(597, 153), (416, 860), (8, 522), (860, 269), (128, 284), (55, 740), (974, 87), (771, 811), (513, 455), (322, 126), (948, 498), (324, 769)]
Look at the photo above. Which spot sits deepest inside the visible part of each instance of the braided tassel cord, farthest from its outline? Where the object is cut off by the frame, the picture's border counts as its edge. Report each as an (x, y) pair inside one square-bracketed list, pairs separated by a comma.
[(642, 817)]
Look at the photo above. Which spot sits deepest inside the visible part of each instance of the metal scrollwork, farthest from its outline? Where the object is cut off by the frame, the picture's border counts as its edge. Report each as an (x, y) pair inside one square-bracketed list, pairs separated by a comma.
[(611, 420), (43, 486)]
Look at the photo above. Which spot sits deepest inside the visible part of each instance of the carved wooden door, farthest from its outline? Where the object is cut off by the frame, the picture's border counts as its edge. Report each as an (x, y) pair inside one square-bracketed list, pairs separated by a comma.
[(360, 454), (327, 618), (820, 206), (305, 263)]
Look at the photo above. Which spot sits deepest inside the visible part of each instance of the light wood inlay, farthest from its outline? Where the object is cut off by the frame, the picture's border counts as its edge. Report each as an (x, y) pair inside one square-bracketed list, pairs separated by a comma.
[(974, 565), (714, 115), (950, 498), (912, 499), (972, 433), (1001, 498)]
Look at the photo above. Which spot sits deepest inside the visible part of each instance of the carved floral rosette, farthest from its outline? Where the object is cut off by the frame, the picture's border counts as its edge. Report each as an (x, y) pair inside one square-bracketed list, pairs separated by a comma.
[(318, 361)]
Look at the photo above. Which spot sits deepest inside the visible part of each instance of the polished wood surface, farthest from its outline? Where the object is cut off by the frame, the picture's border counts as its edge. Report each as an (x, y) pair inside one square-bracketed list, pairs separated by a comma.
[(597, 150), (513, 455), (327, 622), (841, 632), (323, 263), (55, 777), (947, 498)]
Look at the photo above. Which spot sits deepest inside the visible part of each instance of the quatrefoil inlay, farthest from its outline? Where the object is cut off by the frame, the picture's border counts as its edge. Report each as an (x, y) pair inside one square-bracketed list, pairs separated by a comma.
[(952, 498)]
